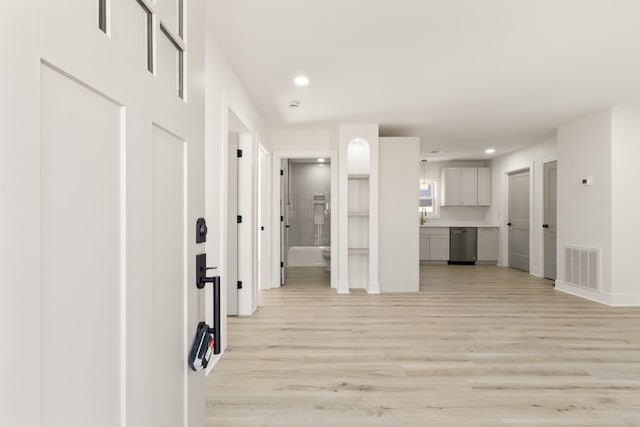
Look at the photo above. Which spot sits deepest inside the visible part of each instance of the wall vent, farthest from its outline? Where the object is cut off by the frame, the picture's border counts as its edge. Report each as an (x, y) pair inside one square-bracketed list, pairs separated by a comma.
[(582, 267)]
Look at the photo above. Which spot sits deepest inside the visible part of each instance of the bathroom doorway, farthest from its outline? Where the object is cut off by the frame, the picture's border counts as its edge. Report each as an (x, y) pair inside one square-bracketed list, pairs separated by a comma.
[(304, 203)]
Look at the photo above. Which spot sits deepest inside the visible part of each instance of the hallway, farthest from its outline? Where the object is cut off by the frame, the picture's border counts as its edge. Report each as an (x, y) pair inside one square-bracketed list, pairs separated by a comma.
[(477, 346)]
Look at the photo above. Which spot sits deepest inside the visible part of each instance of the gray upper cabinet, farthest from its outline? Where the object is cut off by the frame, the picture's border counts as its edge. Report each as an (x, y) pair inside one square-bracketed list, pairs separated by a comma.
[(484, 186), (465, 186), (450, 181), (468, 186)]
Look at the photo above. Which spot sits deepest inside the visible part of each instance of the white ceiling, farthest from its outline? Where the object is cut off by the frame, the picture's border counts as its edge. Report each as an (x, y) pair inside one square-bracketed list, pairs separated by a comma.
[(462, 74)]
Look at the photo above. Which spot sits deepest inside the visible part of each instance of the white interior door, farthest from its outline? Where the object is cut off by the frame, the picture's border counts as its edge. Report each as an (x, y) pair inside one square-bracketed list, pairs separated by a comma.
[(20, 214), (550, 223), (122, 179), (519, 220)]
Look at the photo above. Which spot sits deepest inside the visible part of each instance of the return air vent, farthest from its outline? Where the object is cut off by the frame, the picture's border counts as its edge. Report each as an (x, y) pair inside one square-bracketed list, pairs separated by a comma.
[(582, 267)]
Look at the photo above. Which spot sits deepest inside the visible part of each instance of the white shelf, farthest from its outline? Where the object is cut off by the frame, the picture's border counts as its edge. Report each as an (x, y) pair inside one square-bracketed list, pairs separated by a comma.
[(358, 176), (358, 251), (362, 214)]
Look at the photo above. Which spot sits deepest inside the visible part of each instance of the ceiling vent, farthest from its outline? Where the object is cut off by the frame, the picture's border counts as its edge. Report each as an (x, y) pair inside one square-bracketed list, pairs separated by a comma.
[(294, 103)]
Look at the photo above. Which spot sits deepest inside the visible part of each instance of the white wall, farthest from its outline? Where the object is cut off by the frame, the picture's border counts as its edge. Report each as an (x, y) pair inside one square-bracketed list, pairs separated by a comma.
[(223, 90), (304, 139), (626, 205), (584, 212), (20, 214), (455, 215), (533, 157), (399, 261)]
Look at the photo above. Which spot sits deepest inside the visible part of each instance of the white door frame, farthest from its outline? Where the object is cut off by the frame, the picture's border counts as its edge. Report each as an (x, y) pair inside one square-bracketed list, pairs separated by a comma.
[(264, 216), (247, 196), (530, 166), (275, 209)]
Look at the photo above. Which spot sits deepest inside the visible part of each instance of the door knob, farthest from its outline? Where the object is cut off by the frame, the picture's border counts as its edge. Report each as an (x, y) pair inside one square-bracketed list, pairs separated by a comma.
[(509, 224), (545, 225)]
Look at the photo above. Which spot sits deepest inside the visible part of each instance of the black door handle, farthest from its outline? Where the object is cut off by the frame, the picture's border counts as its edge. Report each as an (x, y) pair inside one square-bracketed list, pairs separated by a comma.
[(545, 225), (287, 226), (509, 224)]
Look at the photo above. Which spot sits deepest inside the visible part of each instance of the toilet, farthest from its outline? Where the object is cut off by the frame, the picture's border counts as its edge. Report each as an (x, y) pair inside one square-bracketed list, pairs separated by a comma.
[(326, 254)]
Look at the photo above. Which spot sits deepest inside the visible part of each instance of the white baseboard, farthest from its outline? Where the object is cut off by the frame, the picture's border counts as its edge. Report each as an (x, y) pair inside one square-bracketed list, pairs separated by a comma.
[(536, 272), (613, 300), (589, 294), (374, 288), (625, 300)]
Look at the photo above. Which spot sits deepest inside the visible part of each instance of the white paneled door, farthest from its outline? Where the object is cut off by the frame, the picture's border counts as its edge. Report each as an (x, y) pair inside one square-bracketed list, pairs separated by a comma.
[(121, 186)]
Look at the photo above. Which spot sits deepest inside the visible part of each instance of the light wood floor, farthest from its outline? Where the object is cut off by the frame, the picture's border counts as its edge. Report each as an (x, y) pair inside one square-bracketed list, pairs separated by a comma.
[(478, 346)]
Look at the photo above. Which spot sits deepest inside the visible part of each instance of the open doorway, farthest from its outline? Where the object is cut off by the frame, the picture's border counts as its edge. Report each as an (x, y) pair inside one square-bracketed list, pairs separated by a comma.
[(305, 212), (238, 271)]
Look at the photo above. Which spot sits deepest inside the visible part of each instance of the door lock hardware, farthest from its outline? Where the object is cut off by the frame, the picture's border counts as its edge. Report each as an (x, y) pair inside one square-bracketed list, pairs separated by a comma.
[(201, 272), (201, 230), (212, 334)]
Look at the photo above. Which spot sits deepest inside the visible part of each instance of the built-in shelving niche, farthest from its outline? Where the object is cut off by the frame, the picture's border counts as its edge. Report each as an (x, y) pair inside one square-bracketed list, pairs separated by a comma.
[(358, 182)]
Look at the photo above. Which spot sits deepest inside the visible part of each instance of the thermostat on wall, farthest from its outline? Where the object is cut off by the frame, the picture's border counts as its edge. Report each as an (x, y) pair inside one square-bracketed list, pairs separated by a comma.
[(586, 181)]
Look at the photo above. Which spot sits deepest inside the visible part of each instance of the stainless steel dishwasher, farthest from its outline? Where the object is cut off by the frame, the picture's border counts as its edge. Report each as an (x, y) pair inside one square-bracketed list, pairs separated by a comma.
[(463, 243)]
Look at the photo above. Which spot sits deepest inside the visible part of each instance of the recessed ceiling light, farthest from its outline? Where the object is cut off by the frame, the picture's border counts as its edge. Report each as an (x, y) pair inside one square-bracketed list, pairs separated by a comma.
[(320, 160), (301, 80), (490, 150)]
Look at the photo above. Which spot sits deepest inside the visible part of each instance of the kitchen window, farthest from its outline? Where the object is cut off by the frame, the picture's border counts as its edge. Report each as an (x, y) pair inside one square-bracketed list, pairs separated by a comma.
[(428, 203)]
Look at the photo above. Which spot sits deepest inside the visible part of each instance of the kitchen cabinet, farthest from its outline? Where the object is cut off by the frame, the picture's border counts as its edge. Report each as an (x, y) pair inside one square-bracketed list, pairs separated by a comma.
[(424, 247), (450, 182), (468, 186), (434, 244), (484, 187), (488, 244), (465, 186)]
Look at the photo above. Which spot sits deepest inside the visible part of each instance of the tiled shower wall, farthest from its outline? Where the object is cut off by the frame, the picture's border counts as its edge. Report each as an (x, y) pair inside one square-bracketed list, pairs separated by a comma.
[(310, 220)]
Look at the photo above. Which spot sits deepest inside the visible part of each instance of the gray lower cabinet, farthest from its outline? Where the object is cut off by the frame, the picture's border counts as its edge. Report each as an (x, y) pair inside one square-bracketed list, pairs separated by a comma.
[(434, 244), (488, 244)]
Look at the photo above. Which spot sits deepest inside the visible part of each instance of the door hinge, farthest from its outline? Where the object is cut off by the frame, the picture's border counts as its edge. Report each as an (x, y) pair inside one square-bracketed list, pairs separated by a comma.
[(239, 219), (239, 284), (281, 172), (281, 264), (281, 218), (239, 153)]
